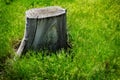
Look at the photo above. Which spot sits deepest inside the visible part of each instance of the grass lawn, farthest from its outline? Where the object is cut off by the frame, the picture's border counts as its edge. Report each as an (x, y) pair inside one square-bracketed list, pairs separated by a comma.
[(93, 28)]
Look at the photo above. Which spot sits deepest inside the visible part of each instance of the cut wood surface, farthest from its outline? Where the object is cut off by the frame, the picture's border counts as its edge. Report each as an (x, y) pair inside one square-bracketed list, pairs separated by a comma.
[(45, 29)]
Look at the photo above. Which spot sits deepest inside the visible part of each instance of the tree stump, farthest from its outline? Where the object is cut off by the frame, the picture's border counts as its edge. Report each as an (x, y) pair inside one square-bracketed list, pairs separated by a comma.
[(45, 29)]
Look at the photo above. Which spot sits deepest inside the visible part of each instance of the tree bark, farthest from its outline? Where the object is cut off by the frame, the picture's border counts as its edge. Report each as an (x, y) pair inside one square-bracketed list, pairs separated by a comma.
[(45, 29)]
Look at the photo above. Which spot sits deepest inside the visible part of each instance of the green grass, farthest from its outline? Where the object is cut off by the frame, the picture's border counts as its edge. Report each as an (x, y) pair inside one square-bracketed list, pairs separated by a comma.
[(93, 28)]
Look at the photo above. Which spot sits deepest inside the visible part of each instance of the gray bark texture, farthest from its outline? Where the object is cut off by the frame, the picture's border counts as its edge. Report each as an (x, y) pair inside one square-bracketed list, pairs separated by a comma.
[(45, 29)]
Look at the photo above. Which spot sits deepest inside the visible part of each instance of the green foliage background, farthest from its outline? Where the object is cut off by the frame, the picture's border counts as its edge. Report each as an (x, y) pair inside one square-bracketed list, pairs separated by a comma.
[(93, 31)]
